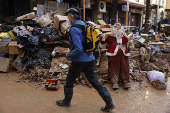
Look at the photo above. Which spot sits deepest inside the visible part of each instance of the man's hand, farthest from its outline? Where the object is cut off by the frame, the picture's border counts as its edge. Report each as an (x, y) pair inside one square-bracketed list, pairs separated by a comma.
[(67, 52)]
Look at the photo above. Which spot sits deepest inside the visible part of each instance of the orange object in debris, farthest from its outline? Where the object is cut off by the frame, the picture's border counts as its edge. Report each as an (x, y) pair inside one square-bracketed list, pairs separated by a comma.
[(157, 36), (52, 84)]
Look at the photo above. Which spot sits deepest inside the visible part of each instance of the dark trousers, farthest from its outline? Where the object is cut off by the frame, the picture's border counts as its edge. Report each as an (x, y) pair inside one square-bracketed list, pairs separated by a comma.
[(88, 68)]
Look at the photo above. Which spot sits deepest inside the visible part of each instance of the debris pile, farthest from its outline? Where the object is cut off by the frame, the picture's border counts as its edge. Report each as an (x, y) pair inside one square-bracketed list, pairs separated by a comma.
[(36, 46), (37, 73)]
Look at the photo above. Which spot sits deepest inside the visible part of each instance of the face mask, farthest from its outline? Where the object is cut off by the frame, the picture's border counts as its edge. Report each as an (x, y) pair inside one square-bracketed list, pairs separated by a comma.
[(69, 18)]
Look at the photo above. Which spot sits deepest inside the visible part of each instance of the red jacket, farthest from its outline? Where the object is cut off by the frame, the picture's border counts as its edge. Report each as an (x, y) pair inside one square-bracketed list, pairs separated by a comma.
[(113, 49)]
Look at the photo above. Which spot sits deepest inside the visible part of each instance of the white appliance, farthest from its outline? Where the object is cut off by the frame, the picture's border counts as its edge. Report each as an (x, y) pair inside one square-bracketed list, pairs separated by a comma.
[(102, 6)]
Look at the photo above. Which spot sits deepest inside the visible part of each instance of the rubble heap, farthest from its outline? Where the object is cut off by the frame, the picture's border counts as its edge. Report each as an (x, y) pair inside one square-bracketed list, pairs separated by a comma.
[(36, 46)]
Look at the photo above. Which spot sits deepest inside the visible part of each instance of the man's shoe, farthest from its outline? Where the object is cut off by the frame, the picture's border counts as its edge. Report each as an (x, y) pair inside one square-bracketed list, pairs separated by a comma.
[(104, 93), (63, 103), (68, 96), (108, 107)]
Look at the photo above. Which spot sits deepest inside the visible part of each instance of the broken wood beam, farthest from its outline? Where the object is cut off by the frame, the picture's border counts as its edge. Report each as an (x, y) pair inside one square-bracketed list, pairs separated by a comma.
[(88, 83)]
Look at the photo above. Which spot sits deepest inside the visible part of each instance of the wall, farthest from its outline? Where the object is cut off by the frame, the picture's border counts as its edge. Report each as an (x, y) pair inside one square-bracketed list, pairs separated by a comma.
[(168, 4), (94, 14), (39, 1), (6, 8), (139, 1), (153, 2), (0, 8), (21, 7)]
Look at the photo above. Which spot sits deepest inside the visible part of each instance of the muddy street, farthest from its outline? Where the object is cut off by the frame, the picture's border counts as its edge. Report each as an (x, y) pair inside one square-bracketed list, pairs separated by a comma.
[(17, 97)]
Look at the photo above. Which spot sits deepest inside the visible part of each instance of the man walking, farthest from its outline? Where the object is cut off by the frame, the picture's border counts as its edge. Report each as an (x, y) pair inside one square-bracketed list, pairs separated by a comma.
[(81, 62)]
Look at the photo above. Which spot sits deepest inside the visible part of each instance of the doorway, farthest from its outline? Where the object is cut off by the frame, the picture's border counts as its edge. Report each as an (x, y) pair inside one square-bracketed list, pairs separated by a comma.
[(106, 16), (134, 20)]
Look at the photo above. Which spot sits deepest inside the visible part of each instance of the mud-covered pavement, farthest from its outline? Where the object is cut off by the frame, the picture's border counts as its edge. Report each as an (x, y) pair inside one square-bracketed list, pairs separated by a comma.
[(24, 98)]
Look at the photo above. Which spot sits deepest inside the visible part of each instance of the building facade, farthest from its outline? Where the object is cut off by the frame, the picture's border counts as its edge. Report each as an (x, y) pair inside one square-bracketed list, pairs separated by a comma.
[(17, 8), (161, 10), (93, 11), (167, 9)]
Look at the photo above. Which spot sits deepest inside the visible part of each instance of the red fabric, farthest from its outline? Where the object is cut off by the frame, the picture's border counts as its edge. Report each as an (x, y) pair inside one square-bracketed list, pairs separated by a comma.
[(150, 27), (112, 47), (119, 67)]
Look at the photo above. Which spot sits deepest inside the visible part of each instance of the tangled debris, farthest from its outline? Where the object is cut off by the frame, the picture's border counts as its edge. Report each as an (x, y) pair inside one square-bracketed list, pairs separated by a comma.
[(45, 43)]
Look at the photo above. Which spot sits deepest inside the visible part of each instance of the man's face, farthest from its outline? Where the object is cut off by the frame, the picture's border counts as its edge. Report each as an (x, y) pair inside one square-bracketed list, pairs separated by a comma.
[(70, 17)]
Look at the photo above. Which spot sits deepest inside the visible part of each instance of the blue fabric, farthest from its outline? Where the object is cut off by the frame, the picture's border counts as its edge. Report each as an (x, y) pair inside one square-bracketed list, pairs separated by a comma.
[(2, 56), (88, 68), (76, 48)]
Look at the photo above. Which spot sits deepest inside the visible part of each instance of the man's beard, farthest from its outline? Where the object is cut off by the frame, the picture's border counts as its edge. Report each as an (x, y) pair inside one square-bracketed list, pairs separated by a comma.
[(117, 33)]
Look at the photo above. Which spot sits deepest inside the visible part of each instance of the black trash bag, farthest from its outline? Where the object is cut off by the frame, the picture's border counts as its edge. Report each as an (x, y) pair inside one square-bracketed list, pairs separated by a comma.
[(50, 34), (44, 62), (165, 51), (40, 59), (31, 43), (7, 27), (36, 32), (33, 40)]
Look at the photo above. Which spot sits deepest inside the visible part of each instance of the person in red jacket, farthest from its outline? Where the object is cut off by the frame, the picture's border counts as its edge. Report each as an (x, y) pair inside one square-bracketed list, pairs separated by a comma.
[(118, 56)]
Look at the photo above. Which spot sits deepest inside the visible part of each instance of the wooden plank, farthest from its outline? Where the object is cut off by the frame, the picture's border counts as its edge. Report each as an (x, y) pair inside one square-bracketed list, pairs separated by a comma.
[(54, 42), (101, 50), (88, 83)]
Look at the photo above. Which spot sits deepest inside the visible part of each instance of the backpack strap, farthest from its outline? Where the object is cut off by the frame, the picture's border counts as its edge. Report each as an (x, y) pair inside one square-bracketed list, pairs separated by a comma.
[(83, 31), (79, 26)]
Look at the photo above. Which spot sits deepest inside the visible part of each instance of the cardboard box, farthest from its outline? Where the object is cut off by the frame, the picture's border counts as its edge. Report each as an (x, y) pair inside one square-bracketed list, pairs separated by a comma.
[(4, 64), (26, 16), (65, 27), (101, 22), (4, 46), (30, 17), (59, 19), (44, 20), (13, 47)]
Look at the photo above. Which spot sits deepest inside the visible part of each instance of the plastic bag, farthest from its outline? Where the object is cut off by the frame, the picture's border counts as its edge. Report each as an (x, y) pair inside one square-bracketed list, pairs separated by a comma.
[(9, 34), (155, 48), (156, 75), (44, 20)]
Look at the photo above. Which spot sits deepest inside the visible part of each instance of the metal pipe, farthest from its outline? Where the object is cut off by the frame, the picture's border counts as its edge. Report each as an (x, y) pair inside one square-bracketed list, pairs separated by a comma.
[(126, 18), (83, 10)]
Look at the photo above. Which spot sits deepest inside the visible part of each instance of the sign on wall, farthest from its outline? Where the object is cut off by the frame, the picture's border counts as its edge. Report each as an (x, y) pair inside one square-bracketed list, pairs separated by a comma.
[(125, 7), (50, 6)]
